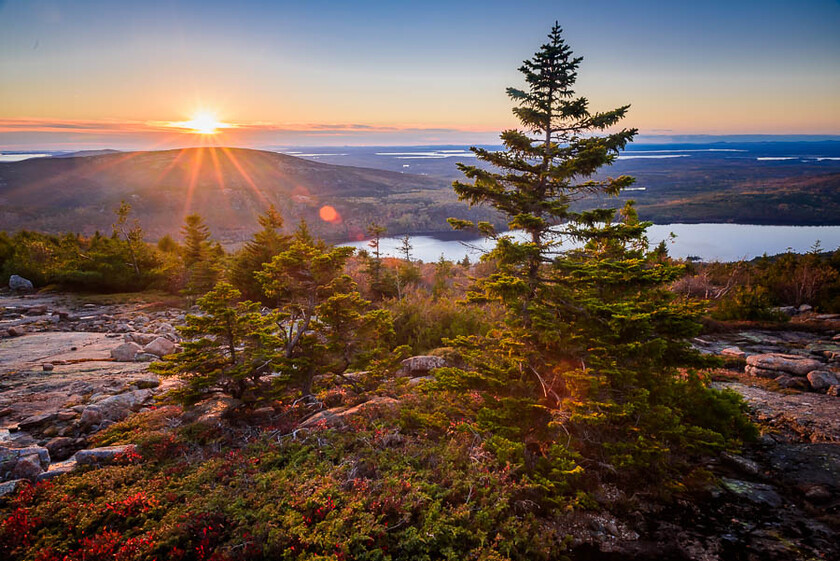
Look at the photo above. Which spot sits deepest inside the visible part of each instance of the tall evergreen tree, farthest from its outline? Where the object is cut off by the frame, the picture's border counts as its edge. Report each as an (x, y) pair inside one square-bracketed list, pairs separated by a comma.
[(260, 249), (545, 167), (380, 280), (591, 330), (406, 247), (200, 256)]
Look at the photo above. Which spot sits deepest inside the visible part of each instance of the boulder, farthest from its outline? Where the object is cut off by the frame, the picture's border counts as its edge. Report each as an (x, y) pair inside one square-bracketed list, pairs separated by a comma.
[(101, 456), (118, 407), (757, 493), (212, 410), (733, 352), (27, 467), (337, 416), (419, 380), (91, 415), (140, 338), (793, 382), (60, 447), (36, 421), (821, 380), (763, 373), (21, 439), (160, 347), (805, 308), (787, 310), (10, 487), (741, 463), (147, 382), (262, 414), (823, 348), (417, 366), (126, 352), (65, 415), (165, 328), (816, 493), (17, 331), (10, 456), (57, 469), (20, 284), (50, 431), (791, 364)]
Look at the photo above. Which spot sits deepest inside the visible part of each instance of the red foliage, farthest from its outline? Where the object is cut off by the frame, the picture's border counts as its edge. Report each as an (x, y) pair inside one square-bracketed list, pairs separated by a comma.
[(205, 532), (128, 456), (136, 504), (16, 531)]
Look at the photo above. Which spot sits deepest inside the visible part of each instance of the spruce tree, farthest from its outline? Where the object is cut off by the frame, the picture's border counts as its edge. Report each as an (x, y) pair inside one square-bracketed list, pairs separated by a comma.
[(406, 247), (260, 249), (324, 323), (230, 346), (545, 167), (201, 258), (593, 336), (381, 282)]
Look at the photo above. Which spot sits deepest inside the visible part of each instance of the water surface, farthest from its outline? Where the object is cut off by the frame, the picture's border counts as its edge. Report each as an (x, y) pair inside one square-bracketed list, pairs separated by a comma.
[(710, 242)]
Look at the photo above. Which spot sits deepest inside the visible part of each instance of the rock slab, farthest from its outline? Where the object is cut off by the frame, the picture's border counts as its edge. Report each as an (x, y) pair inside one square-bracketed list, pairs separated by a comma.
[(337, 416), (101, 456), (790, 364)]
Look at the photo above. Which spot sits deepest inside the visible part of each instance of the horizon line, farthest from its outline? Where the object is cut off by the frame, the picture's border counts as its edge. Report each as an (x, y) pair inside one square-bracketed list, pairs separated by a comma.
[(650, 138)]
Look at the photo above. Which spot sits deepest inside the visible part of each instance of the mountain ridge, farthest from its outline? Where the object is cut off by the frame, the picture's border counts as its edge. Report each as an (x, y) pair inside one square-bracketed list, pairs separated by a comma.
[(229, 187)]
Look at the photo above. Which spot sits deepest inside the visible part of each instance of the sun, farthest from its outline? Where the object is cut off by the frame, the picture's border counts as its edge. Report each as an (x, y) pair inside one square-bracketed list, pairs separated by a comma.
[(202, 122)]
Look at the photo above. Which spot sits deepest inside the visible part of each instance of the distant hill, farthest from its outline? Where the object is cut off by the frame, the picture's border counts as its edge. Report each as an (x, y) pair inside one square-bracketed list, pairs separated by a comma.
[(82, 153), (781, 182), (799, 201), (229, 187)]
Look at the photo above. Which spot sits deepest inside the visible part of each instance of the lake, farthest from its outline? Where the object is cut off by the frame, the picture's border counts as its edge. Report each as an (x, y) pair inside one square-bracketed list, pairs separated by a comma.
[(710, 242), (19, 157)]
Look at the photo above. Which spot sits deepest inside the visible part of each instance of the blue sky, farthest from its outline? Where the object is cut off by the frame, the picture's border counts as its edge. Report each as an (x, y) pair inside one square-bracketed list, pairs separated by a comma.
[(109, 73)]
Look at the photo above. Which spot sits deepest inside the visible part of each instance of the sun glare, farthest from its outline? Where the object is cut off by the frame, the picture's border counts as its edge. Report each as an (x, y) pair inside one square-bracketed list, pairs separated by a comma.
[(203, 122)]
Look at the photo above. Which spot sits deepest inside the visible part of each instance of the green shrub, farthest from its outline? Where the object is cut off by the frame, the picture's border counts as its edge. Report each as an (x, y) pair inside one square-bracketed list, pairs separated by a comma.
[(424, 323), (748, 303)]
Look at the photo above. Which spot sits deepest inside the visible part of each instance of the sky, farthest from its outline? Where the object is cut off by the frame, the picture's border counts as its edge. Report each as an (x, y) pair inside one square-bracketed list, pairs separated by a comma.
[(93, 74)]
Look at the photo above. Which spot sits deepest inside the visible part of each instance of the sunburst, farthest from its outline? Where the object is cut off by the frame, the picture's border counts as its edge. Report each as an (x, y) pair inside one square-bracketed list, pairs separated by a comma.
[(202, 122)]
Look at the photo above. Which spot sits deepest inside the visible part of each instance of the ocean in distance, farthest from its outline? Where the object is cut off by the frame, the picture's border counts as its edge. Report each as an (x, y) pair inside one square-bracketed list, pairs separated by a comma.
[(709, 242)]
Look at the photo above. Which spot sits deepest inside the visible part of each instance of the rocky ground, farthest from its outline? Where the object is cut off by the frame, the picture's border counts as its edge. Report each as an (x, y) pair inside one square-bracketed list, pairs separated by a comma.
[(70, 367)]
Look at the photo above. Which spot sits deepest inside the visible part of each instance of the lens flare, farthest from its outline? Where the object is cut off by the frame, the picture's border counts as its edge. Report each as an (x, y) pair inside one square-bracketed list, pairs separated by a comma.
[(329, 214)]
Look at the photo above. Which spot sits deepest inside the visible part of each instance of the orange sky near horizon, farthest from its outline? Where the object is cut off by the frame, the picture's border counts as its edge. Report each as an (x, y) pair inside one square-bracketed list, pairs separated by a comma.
[(98, 74)]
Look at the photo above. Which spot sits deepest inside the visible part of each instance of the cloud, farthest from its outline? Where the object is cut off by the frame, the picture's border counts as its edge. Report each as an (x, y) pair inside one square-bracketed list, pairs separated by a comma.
[(48, 125), (42, 133), (33, 125)]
